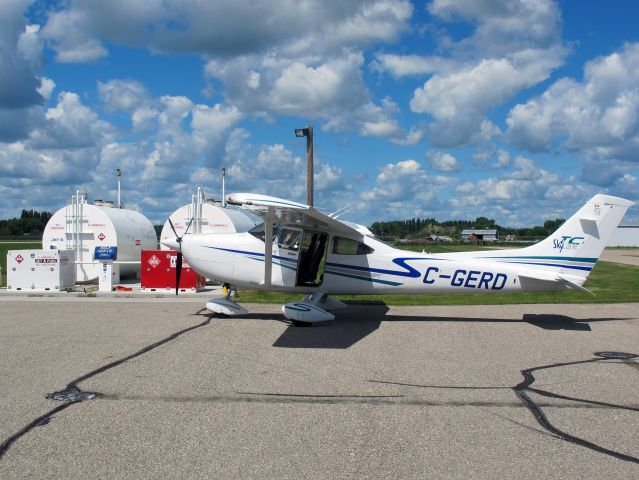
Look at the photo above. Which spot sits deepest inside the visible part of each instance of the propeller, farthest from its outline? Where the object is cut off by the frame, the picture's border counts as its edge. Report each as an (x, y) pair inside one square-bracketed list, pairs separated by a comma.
[(178, 264)]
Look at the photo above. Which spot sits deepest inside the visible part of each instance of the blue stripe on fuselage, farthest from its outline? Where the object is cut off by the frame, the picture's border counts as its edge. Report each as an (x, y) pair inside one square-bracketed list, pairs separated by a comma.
[(256, 254), (410, 271)]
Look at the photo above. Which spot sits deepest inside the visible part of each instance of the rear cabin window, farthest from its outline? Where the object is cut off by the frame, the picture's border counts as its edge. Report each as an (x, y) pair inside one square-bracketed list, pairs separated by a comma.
[(346, 246)]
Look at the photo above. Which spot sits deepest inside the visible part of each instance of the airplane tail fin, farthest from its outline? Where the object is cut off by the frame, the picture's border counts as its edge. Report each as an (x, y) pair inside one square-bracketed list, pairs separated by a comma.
[(577, 244)]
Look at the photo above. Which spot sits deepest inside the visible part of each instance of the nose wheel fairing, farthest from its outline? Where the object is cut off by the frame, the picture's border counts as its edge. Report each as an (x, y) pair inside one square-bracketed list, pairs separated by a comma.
[(225, 306)]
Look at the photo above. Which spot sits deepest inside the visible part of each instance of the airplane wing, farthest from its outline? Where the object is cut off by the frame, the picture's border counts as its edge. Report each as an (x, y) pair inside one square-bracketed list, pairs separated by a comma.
[(291, 213)]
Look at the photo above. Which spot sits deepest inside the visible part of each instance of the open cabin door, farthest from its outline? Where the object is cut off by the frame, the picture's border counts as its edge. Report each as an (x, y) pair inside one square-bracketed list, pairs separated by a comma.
[(312, 259), (299, 257), (286, 249)]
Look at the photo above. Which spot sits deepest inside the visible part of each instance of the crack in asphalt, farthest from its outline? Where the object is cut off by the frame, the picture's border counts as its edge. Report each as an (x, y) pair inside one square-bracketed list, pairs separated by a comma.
[(522, 391), (286, 398), (73, 394)]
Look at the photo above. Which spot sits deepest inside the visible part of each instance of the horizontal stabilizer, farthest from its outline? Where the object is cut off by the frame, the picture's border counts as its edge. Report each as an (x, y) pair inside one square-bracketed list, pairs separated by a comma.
[(550, 278), (574, 286)]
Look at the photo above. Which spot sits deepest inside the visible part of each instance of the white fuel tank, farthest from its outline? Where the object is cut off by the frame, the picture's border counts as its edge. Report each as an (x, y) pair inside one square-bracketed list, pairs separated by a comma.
[(213, 219), (82, 227)]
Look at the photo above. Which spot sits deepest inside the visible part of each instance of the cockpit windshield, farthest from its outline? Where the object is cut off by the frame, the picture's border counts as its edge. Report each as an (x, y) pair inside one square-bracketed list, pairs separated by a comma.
[(288, 238), (258, 231)]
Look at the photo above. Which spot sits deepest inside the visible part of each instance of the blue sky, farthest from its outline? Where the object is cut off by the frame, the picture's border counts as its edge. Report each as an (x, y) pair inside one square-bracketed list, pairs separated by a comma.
[(515, 110)]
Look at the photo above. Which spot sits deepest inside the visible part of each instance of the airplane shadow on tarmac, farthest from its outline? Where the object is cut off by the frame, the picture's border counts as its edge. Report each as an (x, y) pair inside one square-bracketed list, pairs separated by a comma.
[(359, 321)]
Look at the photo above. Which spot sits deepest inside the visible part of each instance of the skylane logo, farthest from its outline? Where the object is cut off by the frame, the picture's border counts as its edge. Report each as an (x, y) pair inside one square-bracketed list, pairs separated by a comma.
[(567, 243)]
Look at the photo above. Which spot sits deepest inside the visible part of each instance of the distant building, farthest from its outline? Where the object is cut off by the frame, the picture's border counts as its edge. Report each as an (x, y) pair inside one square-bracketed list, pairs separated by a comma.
[(625, 236), (479, 235)]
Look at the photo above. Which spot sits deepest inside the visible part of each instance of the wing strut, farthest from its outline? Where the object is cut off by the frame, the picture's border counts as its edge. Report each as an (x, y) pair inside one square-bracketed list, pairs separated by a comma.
[(268, 245)]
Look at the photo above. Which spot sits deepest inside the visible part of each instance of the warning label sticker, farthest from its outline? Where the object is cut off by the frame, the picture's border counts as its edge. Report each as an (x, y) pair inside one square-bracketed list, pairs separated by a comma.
[(45, 261)]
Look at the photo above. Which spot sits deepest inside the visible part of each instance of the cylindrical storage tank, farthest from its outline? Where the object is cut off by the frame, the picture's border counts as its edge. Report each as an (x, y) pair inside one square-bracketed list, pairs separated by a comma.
[(214, 219), (82, 227)]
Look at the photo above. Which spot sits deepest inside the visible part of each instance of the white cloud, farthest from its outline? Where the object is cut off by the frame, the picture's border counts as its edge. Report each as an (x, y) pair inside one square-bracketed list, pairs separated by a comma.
[(397, 182), (144, 118), (403, 190), (304, 90), (523, 195), (293, 87), (503, 159), (272, 57), (600, 111), (442, 162), (174, 110), (224, 27), (413, 137), (407, 65), (210, 124), (514, 46), (384, 128), (329, 178), (21, 58), (598, 117), (122, 94), (458, 101), (46, 88), (503, 26), (69, 124), (332, 90), (72, 38)]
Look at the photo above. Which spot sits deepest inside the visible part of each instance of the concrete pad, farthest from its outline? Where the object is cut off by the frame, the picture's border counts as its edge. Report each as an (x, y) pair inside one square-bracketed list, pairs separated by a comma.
[(629, 256)]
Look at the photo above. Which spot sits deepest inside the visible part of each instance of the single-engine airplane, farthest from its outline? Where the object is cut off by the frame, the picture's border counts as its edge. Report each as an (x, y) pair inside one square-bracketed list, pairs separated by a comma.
[(298, 249)]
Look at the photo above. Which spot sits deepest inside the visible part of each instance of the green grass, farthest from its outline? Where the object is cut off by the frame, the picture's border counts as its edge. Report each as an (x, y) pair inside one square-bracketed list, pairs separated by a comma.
[(610, 283), (14, 245)]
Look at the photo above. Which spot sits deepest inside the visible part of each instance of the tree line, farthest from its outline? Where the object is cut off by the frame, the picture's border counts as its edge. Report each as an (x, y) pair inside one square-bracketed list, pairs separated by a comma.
[(422, 227), (31, 222)]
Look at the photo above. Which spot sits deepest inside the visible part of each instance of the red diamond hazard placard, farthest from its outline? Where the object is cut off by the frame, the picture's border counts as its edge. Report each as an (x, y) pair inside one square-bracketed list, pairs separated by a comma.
[(153, 261), (102, 236), (19, 258)]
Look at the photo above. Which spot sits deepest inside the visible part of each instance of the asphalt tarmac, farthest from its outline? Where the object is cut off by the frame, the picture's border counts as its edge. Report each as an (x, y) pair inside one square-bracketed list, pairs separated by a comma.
[(155, 388)]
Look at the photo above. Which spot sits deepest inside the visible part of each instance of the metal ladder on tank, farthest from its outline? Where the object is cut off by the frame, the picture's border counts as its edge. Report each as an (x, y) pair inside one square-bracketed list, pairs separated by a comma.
[(74, 223)]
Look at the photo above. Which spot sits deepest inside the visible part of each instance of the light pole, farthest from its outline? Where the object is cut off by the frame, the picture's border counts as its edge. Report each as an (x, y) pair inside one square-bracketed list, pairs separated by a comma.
[(223, 193), (308, 133), (118, 174)]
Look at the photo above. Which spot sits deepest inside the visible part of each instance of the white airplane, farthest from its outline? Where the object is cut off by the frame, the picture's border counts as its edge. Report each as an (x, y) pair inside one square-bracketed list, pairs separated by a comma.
[(298, 249)]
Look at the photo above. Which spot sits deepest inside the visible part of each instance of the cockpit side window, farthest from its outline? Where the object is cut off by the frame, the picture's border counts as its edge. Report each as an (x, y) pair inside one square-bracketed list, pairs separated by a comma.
[(347, 246)]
